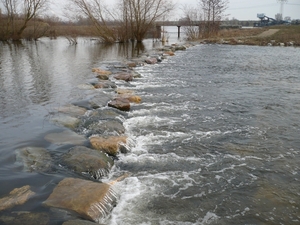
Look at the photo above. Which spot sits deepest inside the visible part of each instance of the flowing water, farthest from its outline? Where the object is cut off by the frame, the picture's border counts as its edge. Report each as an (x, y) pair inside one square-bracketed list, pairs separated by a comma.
[(215, 140)]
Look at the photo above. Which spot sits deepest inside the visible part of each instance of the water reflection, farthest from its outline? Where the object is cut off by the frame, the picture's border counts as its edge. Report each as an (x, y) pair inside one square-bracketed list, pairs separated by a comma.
[(36, 72), (36, 77)]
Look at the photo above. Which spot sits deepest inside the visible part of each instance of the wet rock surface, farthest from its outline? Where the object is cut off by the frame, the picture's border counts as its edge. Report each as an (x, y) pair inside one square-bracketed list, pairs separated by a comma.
[(106, 114), (120, 103), (110, 145), (91, 200), (34, 159), (97, 100), (105, 84), (25, 218), (72, 110), (80, 222), (84, 160), (18, 196), (151, 61), (124, 76), (65, 138), (131, 98), (104, 127), (65, 120), (100, 100)]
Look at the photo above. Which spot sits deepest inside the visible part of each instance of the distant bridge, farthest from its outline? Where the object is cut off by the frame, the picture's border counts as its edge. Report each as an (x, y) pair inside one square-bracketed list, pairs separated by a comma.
[(178, 23), (181, 23), (198, 23)]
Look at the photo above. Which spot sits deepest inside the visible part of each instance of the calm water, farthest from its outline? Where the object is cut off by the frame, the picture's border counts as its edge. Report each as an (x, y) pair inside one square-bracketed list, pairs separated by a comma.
[(215, 141)]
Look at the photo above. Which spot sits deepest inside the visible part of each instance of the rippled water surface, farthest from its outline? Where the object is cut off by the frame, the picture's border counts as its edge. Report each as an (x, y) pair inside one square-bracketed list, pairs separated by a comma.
[(215, 140)]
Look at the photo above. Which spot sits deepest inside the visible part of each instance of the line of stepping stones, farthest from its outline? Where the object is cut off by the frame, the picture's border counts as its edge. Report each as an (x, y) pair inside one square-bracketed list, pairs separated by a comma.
[(90, 199)]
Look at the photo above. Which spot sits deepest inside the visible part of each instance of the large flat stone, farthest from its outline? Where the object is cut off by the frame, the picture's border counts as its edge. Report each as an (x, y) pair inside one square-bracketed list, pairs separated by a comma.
[(110, 145), (91, 200), (84, 160)]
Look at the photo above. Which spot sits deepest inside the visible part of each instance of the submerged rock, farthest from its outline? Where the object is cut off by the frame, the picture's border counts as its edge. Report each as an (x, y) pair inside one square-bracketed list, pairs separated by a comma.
[(65, 138), (100, 100), (34, 159), (79, 222), (94, 102), (122, 104), (91, 200), (85, 87), (84, 160), (18, 196), (72, 110), (84, 104), (25, 218), (105, 84), (91, 126), (106, 114), (110, 145), (65, 120)]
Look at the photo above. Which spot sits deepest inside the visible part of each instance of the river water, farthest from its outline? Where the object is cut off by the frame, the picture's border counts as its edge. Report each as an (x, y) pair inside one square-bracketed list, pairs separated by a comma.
[(214, 141)]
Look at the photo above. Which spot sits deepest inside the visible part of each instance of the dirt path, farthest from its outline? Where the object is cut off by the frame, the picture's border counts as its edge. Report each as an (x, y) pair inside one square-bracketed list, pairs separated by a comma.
[(268, 33)]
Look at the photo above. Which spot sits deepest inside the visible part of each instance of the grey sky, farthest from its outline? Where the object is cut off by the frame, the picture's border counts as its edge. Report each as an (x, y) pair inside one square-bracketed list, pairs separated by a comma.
[(239, 9), (248, 9)]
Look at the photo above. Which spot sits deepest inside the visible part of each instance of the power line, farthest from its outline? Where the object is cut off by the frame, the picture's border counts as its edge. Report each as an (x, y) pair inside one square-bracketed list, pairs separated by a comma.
[(252, 7)]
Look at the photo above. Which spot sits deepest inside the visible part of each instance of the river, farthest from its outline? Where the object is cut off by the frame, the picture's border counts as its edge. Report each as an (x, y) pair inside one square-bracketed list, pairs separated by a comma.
[(214, 141)]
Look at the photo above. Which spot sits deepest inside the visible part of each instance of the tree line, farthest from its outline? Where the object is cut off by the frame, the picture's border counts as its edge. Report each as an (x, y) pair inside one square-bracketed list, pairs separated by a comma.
[(210, 13), (127, 20)]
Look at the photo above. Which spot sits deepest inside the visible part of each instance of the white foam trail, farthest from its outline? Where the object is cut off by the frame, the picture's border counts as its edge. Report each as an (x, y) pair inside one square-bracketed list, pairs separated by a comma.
[(130, 188), (105, 206)]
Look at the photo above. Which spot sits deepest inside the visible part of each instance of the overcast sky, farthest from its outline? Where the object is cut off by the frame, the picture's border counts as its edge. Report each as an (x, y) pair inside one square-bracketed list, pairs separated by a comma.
[(248, 9), (239, 9)]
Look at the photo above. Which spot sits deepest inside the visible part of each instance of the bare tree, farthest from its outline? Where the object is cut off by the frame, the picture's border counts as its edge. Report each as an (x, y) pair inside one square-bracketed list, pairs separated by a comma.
[(213, 12), (18, 14), (130, 19), (98, 14), (191, 15), (142, 14)]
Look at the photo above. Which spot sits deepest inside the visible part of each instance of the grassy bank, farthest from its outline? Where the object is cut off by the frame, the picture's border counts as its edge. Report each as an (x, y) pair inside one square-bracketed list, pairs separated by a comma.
[(286, 34), (289, 35)]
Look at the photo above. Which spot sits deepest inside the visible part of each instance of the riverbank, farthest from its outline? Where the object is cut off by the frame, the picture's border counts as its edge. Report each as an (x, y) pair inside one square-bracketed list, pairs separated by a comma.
[(267, 36)]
